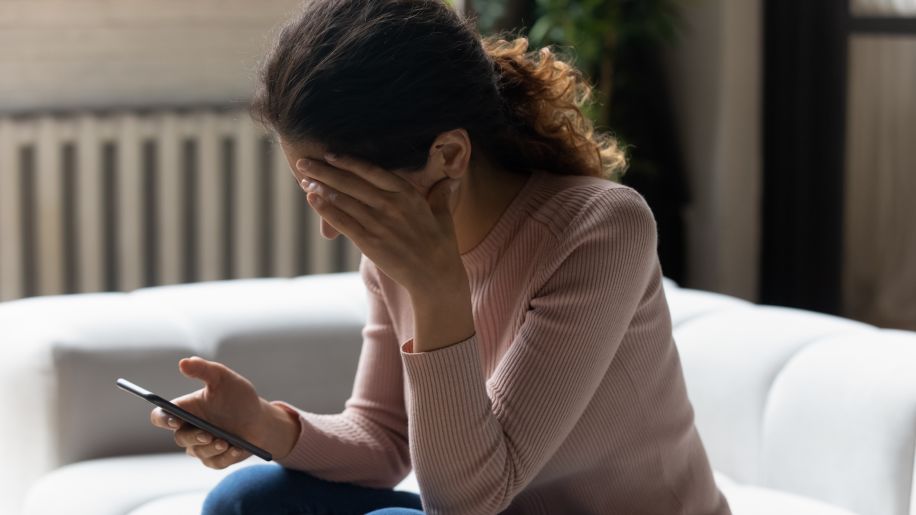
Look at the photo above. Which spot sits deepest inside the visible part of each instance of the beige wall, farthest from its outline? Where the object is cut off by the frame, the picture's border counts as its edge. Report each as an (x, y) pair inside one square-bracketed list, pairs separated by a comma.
[(59, 54), (81, 53), (879, 255), (716, 77)]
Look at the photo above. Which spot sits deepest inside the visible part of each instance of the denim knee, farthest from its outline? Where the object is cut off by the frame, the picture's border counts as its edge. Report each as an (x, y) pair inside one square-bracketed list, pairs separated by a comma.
[(272, 489), (249, 491)]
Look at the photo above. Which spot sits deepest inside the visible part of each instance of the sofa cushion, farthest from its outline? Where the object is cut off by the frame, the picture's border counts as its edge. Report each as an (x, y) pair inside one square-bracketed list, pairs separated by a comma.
[(115, 486), (179, 504), (744, 500), (175, 484), (753, 500)]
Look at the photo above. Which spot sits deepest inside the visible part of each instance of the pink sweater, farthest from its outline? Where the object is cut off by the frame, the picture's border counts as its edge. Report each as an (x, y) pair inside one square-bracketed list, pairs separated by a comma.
[(568, 399)]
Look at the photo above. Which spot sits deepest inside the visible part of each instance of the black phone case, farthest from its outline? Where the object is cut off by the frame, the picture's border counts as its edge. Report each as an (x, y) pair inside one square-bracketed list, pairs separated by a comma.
[(192, 419)]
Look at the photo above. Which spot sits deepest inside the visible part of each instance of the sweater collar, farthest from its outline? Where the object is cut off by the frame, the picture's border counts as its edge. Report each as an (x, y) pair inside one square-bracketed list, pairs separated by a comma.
[(488, 248)]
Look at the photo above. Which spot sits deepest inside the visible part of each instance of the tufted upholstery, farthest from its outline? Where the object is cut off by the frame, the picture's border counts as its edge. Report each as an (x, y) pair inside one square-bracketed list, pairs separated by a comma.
[(800, 412)]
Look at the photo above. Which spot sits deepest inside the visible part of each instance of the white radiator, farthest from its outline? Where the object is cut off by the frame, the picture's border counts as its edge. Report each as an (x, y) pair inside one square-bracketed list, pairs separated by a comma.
[(121, 200)]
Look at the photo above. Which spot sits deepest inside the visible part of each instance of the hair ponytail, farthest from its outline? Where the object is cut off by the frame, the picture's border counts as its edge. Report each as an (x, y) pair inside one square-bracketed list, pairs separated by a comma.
[(543, 97), (380, 79)]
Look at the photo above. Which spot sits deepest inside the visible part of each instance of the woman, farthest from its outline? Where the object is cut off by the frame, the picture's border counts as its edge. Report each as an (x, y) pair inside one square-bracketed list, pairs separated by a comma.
[(518, 354)]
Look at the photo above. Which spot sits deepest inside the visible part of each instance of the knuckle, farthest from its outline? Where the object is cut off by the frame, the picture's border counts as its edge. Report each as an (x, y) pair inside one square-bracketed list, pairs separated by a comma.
[(183, 439), (220, 366), (387, 208), (374, 239), (210, 451), (245, 381), (417, 201)]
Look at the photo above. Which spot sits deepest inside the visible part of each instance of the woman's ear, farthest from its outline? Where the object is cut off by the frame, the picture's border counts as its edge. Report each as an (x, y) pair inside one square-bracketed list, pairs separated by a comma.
[(451, 153)]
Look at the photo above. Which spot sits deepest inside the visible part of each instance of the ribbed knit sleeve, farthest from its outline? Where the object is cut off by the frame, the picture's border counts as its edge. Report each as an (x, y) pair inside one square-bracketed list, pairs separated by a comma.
[(476, 443), (366, 444)]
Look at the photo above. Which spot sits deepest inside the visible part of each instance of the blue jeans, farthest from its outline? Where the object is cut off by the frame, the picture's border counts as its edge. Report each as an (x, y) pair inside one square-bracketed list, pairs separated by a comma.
[(272, 489)]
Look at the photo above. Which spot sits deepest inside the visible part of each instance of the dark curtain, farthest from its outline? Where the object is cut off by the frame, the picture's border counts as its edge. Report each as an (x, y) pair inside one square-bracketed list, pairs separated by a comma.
[(803, 145)]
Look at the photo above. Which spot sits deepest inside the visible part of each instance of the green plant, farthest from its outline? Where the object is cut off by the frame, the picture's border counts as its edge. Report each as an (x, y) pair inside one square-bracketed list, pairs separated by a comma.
[(596, 29)]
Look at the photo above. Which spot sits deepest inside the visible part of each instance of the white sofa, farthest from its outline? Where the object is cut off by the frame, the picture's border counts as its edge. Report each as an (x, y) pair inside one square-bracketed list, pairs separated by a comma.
[(801, 413)]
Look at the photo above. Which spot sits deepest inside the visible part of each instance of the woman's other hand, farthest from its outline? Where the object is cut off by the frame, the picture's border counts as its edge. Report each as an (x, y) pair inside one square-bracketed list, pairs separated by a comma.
[(409, 235), (227, 400)]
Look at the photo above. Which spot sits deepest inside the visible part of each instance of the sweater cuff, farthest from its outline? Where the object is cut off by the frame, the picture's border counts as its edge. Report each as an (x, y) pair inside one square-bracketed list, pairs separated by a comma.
[(433, 373), (305, 455)]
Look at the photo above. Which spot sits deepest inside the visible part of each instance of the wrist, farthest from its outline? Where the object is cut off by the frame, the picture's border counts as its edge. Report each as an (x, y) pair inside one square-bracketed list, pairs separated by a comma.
[(442, 318), (446, 301), (279, 429), (452, 287)]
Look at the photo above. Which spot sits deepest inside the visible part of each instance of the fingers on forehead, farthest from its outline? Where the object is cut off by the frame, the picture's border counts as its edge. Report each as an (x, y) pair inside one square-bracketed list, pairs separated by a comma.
[(380, 177)]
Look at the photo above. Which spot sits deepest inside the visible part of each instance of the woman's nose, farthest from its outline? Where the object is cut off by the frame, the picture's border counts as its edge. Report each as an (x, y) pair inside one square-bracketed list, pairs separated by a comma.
[(327, 231)]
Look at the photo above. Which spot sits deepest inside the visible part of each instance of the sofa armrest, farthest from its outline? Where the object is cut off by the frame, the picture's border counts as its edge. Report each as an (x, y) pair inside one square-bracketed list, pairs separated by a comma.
[(840, 423), (801, 402), (296, 339)]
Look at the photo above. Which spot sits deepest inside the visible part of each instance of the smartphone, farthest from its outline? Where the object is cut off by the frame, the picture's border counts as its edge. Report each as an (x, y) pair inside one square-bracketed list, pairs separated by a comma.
[(192, 419)]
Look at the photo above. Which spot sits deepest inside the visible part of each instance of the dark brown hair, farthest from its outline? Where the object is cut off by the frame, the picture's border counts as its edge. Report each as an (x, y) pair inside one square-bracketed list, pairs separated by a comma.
[(380, 79)]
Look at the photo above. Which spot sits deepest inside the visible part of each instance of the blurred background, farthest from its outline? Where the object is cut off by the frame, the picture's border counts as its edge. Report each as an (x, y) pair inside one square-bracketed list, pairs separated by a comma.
[(775, 142)]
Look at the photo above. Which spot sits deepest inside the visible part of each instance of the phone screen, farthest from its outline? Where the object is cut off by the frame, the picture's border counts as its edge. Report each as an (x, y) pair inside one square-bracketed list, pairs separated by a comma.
[(192, 419)]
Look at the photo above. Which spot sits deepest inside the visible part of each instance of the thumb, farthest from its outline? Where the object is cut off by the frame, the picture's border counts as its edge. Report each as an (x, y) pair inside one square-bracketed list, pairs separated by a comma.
[(210, 372), (442, 197)]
